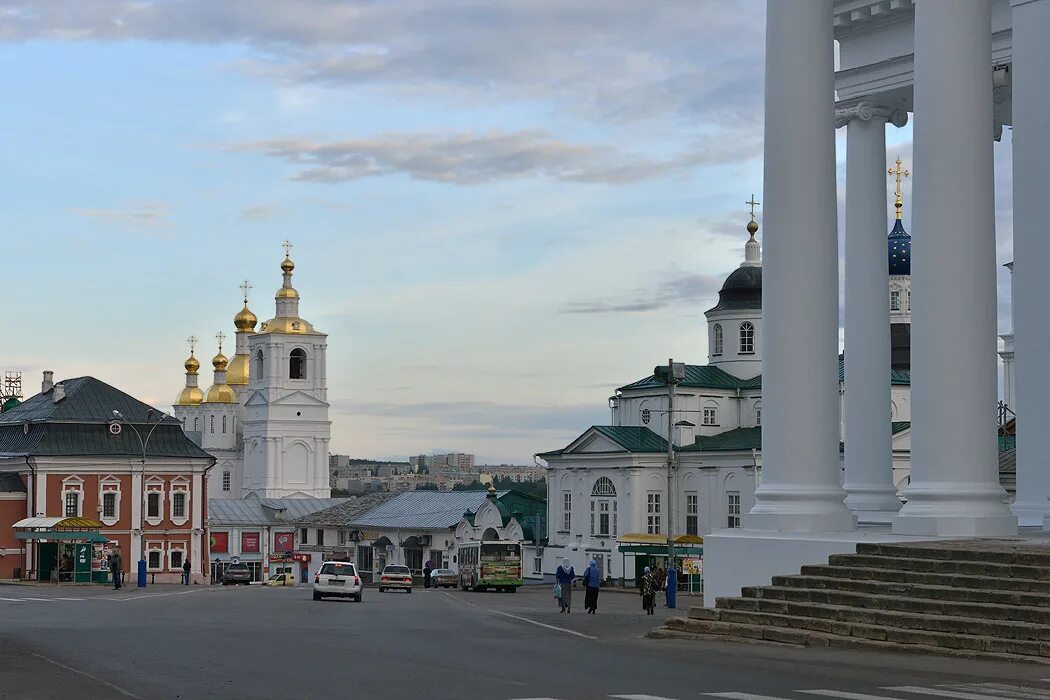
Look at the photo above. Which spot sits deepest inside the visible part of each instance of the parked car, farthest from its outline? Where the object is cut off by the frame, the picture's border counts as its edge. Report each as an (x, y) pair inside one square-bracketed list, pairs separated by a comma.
[(395, 576), (280, 580), (444, 578), (337, 579), (237, 574)]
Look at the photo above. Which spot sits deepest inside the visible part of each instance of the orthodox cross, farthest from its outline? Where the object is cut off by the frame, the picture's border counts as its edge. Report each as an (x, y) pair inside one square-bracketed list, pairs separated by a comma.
[(192, 340), (220, 336), (246, 287), (899, 204), (287, 248), (753, 204)]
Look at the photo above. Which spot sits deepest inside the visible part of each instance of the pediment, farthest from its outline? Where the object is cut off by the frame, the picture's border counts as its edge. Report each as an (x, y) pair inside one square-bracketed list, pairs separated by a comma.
[(256, 399), (298, 398), (593, 441)]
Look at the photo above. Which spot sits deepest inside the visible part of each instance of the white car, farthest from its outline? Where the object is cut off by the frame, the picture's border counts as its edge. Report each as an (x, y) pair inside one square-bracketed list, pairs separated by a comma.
[(337, 579)]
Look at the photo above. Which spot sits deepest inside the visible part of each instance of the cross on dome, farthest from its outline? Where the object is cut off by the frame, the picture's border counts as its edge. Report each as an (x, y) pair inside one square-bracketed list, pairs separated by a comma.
[(899, 204), (754, 204), (220, 336), (246, 287), (287, 245), (192, 340)]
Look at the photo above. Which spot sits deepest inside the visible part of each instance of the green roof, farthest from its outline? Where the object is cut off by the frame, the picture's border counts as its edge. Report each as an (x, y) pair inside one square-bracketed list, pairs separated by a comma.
[(633, 438), (1007, 442), (899, 426), (740, 439)]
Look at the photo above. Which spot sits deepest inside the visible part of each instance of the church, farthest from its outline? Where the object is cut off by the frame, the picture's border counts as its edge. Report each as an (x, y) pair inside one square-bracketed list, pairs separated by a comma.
[(612, 480), (265, 416)]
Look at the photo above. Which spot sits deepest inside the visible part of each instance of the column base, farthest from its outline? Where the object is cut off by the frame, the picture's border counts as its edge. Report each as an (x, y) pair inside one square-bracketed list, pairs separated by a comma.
[(1031, 513), (798, 508), (872, 504), (955, 510)]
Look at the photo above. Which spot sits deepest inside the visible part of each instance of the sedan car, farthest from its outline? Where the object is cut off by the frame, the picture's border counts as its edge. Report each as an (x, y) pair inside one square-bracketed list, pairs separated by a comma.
[(237, 574), (444, 578), (280, 580), (395, 576), (337, 579)]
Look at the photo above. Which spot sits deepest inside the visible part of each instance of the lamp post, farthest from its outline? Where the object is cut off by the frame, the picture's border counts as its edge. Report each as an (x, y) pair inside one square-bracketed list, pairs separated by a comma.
[(142, 487), (675, 373)]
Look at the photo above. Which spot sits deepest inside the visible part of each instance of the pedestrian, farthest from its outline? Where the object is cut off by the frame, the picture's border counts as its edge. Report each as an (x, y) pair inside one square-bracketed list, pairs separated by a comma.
[(565, 576), (592, 579), (186, 572), (427, 571), (648, 591), (115, 566)]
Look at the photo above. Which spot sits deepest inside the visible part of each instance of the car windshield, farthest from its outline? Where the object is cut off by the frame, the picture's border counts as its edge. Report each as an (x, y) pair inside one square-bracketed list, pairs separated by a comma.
[(442, 572), (338, 569), (237, 567), (396, 570)]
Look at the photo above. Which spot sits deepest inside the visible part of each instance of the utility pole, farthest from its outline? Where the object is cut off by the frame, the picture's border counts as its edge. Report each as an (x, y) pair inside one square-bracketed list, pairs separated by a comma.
[(675, 372)]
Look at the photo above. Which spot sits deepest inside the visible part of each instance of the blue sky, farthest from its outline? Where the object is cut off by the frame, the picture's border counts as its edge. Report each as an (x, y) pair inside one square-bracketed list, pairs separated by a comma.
[(500, 212)]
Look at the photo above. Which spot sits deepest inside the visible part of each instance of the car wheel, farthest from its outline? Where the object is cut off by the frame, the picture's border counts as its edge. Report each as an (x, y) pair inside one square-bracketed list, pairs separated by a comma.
[(317, 596), (380, 589), (408, 590)]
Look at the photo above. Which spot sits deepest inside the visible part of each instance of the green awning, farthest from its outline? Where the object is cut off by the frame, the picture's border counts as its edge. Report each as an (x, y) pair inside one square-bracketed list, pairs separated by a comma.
[(680, 550), (93, 537)]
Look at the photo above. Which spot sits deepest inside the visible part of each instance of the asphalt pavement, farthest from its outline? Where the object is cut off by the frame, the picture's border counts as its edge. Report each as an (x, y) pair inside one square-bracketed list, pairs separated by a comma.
[(168, 642)]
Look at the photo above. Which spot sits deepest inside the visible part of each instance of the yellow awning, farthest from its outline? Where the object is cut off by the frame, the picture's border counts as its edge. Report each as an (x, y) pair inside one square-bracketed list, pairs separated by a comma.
[(646, 538), (55, 523)]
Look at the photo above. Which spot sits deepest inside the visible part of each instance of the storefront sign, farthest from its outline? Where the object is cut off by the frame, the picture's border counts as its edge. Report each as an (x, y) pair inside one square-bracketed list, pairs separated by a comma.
[(693, 567), (249, 542), (220, 542), (283, 541)]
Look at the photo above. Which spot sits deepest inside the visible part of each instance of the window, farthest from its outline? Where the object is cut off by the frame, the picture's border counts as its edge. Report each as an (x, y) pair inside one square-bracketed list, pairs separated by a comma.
[(109, 505), (537, 565), (178, 504), (718, 339), (320, 537), (224, 425), (895, 300), (153, 559), (226, 480), (195, 428), (153, 504), (758, 416), (733, 508), (72, 504), (646, 416), (603, 487), (297, 364), (692, 515), (213, 424), (653, 513), (747, 338), (304, 536), (257, 366), (342, 537), (710, 415), (176, 559), (566, 511)]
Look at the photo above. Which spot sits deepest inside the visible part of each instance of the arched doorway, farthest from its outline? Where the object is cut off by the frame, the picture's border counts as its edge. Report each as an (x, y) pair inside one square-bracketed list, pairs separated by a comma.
[(380, 551), (490, 535), (413, 548)]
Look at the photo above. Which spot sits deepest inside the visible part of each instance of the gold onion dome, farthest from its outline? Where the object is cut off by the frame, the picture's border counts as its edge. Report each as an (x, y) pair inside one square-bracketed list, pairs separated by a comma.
[(192, 364), (245, 320), (237, 372), (219, 362), (190, 396), (220, 393), (287, 265)]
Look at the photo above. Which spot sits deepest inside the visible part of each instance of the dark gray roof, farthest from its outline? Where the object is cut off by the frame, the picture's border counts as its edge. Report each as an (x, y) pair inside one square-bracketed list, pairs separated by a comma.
[(344, 514), (11, 483), (424, 510), (253, 510), (78, 425), (741, 290)]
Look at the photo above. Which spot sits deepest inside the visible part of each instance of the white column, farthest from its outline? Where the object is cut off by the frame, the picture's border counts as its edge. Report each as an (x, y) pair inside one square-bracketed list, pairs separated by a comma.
[(870, 493), (1031, 285), (954, 486), (801, 488)]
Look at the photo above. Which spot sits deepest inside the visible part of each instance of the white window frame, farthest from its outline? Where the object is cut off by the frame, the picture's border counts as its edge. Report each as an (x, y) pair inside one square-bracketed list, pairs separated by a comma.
[(566, 511), (710, 415), (747, 338), (109, 485), (73, 484), (158, 547), (154, 485), (653, 513), (227, 480), (692, 510), (176, 547), (733, 508), (224, 425), (719, 342), (195, 419)]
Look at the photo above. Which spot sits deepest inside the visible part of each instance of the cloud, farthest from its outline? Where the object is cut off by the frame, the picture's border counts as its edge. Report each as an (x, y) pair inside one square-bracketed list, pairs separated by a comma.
[(144, 215), (468, 158), (260, 212), (688, 288)]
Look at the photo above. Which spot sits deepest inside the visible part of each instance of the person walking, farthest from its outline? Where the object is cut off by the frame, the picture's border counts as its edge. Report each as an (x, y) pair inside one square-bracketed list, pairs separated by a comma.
[(592, 579), (186, 572), (648, 591), (115, 567), (565, 576), (427, 571)]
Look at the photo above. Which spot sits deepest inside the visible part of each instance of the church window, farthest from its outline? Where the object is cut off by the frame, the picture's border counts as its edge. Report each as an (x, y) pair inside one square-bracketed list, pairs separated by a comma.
[(733, 508), (718, 339), (195, 424), (178, 504), (692, 514), (153, 504), (603, 507), (257, 365), (710, 416), (603, 487), (895, 300), (213, 424), (72, 504), (758, 416), (297, 364), (652, 512), (226, 479), (646, 416), (109, 505), (224, 425), (747, 338), (566, 511)]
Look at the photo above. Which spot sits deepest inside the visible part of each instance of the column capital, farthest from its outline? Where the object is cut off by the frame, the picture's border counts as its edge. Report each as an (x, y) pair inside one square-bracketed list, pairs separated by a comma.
[(866, 110)]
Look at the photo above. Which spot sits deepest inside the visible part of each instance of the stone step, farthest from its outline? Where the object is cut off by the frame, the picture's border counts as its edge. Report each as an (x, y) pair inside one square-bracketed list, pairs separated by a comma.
[(916, 590), (992, 611), (1012, 552), (931, 578), (684, 628), (941, 566), (837, 619)]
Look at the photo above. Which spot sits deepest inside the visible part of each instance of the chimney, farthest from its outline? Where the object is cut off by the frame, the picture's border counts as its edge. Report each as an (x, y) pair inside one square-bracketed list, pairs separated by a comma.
[(59, 393), (49, 381)]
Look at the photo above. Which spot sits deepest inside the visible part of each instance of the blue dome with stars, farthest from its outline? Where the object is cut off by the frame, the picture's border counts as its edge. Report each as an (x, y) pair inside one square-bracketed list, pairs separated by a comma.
[(899, 250)]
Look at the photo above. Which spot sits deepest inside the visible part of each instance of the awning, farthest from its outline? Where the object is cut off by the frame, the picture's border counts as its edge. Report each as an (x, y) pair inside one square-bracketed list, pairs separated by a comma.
[(56, 523), (645, 543), (92, 537), (646, 538)]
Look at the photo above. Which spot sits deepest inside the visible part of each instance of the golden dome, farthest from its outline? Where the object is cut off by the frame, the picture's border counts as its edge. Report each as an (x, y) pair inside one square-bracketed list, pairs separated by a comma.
[(219, 362), (192, 364), (237, 372), (287, 293), (752, 227), (245, 320), (287, 265), (190, 396), (221, 393), (286, 324)]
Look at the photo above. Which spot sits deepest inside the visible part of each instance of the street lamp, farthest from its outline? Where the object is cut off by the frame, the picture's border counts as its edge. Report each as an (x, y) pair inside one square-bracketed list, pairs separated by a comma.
[(142, 487)]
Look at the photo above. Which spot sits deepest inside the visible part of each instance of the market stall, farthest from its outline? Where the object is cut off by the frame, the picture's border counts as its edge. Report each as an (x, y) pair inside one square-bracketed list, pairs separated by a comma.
[(64, 550)]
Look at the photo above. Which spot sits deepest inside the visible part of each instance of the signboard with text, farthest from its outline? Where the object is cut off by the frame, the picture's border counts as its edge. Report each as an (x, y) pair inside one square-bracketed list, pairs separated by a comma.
[(220, 542), (250, 542), (283, 541)]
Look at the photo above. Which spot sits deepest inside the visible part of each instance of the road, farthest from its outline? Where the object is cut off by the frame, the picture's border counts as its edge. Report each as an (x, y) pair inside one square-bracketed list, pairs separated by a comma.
[(173, 642)]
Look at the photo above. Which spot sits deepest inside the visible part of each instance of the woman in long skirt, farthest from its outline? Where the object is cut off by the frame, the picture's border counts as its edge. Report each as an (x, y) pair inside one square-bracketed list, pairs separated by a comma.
[(592, 579), (648, 591), (565, 575)]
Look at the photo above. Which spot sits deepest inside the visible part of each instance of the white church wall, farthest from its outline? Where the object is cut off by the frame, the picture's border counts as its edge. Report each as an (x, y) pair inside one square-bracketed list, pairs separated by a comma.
[(732, 359)]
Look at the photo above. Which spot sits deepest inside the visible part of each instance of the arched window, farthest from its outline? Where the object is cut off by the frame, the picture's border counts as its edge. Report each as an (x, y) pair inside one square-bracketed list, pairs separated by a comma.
[(758, 414), (224, 425), (213, 423), (646, 416), (718, 339), (604, 487), (257, 365), (747, 338), (297, 364), (226, 478), (603, 508)]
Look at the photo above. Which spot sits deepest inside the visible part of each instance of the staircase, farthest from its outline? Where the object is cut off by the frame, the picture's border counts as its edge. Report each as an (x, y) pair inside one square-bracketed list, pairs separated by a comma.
[(975, 599)]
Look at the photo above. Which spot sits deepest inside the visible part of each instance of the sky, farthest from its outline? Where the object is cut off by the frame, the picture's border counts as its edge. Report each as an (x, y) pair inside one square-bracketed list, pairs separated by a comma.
[(500, 211)]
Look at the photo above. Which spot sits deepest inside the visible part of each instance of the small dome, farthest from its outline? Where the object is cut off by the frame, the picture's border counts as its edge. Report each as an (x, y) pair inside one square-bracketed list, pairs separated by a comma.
[(287, 265), (190, 396), (245, 320), (220, 393), (192, 364), (237, 372), (899, 244), (219, 362), (287, 293)]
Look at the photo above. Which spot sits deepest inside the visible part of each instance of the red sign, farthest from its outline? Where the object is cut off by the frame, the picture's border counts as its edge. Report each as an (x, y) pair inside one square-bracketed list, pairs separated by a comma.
[(220, 542), (283, 541), (249, 541)]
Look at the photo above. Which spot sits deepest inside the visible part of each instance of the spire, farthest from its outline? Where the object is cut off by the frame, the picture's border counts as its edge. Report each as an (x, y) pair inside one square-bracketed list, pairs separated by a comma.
[(191, 395), (287, 291), (899, 204), (752, 252), (245, 320), (220, 392)]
